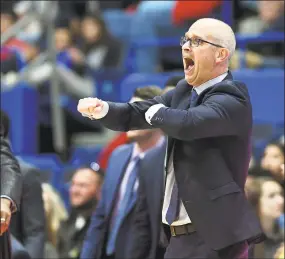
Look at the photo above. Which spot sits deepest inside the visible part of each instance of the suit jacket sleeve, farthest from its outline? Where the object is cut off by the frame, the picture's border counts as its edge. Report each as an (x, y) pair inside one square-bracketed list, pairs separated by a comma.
[(141, 243), (224, 112), (131, 116), (33, 215), (11, 178)]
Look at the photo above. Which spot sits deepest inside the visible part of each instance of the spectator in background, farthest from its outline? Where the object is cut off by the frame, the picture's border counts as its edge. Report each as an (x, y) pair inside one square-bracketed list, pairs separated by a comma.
[(272, 163), (14, 52), (84, 194), (151, 16), (269, 17), (266, 195), (28, 223), (100, 49), (273, 159), (55, 213), (69, 66), (32, 32), (8, 19)]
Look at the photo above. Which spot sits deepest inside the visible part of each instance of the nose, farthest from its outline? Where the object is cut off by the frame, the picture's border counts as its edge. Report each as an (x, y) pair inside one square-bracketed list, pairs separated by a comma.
[(186, 47)]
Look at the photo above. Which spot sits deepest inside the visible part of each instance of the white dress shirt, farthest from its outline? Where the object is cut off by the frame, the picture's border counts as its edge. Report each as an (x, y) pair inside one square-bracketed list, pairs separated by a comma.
[(183, 216)]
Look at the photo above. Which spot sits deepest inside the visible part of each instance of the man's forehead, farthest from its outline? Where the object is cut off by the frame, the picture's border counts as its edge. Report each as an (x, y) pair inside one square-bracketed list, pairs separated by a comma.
[(199, 32), (194, 34), (82, 174)]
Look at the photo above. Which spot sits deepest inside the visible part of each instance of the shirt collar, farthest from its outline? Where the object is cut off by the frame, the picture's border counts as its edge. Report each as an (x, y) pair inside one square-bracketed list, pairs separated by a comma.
[(136, 151), (199, 89)]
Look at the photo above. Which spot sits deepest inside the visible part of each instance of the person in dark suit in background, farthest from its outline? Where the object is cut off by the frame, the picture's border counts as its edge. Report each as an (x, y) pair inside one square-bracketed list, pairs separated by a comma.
[(10, 194), (28, 224), (147, 217), (208, 120), (109, 233)]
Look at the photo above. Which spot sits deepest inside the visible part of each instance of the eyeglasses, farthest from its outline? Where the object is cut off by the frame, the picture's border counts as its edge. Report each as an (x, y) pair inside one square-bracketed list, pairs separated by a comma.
[(195, 42)]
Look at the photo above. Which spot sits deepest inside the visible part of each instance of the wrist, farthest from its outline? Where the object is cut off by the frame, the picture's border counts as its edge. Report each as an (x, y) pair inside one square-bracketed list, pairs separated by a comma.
[(6, 202)]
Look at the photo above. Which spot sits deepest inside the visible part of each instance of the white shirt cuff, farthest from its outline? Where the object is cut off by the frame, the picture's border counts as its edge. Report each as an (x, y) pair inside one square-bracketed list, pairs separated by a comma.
[(152, 111)]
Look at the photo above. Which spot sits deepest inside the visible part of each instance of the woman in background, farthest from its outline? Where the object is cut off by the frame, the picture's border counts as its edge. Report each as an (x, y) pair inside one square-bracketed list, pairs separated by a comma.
[(266, 195), (55, 213)]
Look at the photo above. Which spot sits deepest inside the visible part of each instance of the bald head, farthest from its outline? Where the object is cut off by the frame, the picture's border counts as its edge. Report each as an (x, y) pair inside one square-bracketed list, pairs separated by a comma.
[(207, 48), (217, 32)]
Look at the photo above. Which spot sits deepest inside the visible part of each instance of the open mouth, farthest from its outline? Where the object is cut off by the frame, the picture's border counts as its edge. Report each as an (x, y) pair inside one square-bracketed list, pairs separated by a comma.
[(188, 63)]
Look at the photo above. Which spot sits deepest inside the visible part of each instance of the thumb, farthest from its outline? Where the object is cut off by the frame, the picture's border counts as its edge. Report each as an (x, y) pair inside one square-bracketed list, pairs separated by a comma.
[(98, 108)]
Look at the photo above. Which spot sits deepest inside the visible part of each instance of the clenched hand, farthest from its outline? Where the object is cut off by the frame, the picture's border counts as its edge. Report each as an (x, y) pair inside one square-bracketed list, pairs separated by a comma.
[(5, 215), (90, 107)]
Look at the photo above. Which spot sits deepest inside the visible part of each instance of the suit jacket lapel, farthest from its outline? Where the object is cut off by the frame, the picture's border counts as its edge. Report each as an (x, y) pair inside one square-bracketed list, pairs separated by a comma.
[(119, 169), (158, 179), (183, 104)]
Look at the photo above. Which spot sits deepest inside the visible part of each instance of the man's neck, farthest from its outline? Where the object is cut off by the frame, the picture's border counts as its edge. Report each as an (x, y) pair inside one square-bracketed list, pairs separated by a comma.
[(209, 79), (145, 145)]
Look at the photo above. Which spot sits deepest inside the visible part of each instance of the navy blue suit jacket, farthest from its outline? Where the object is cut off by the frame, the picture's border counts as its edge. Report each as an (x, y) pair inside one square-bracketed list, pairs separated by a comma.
[(147, 217), (211, 154)]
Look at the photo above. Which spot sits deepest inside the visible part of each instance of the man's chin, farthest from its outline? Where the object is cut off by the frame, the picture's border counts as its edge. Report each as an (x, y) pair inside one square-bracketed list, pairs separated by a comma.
[(189, 79), (76, 204)]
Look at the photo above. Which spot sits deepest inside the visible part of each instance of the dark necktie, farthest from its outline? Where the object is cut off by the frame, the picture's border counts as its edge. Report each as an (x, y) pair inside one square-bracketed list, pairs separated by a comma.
[(193, 98), (172, 213), (122, 208)]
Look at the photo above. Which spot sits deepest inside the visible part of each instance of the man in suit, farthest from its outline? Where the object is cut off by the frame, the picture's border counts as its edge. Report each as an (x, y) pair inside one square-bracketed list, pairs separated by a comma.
[(28, 224), (150, 240), (109, 233), (11, 186), (208, 120)]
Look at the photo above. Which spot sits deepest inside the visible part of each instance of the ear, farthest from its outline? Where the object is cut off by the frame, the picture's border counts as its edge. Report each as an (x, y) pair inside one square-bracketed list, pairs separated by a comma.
[(222, 55)]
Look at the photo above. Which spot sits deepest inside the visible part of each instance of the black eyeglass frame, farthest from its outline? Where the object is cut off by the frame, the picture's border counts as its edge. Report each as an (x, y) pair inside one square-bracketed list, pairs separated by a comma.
[(184, 39)]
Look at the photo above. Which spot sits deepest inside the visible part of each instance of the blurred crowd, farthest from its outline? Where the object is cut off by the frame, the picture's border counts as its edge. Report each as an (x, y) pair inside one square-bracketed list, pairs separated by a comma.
[(84, 41), (45, 225)]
